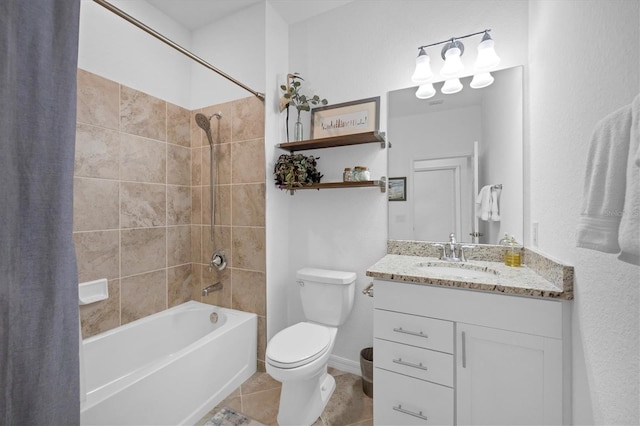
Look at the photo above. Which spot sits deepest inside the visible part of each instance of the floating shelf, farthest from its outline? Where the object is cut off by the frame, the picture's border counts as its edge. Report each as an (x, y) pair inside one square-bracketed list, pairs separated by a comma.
[(354, 139), (382, 184)]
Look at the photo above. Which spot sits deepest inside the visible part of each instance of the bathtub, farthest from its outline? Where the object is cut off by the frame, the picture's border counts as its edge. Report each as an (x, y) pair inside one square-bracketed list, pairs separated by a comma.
[(169, 368)]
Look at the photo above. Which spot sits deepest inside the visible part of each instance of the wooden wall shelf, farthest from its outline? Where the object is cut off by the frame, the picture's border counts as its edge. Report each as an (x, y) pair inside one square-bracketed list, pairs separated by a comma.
[(382, 184), (354, 139)]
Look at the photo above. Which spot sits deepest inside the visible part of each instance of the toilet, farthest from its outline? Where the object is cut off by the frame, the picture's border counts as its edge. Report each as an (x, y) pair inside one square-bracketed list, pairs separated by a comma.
[(298, 355)]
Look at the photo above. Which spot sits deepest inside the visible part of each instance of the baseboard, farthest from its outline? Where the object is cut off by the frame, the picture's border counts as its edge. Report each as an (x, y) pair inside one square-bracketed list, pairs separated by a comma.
[(344, 364)]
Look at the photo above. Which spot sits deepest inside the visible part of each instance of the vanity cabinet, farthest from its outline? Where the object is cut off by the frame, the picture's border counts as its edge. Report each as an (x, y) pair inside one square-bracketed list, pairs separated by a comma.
[(450, 356)]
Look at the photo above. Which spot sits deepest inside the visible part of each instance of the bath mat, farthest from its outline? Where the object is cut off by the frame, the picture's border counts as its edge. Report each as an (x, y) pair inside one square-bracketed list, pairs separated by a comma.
[(228, 417)]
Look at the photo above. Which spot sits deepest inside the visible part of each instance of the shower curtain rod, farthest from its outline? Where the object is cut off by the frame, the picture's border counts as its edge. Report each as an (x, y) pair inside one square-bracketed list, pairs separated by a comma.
[(176, 46)]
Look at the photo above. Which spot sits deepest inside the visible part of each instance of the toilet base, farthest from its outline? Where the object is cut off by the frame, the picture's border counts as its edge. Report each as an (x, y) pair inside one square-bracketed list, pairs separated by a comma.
[(302, 402)]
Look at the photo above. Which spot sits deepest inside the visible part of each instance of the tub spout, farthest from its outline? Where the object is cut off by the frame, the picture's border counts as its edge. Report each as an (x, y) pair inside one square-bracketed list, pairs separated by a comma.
[(213, 287)]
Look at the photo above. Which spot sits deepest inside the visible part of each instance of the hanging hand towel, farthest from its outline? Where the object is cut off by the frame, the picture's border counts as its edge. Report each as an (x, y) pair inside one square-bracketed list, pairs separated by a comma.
[(610, 219), (483, 203), (495, 204)]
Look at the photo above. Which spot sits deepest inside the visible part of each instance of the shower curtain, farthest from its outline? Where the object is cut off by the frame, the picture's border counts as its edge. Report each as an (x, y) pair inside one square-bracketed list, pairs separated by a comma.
[(38, 277)]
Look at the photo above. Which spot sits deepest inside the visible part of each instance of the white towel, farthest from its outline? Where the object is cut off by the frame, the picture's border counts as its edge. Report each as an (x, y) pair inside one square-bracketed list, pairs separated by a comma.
[(487, 204), (495, 204), (610, 218), (483, 203)]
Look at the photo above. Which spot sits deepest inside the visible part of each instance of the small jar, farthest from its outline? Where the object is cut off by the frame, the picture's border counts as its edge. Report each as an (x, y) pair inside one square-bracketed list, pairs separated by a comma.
[(362, 173), (347, 175)]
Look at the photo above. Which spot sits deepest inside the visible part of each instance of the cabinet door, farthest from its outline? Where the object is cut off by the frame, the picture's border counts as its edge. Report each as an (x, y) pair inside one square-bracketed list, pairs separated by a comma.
[(507, 378)]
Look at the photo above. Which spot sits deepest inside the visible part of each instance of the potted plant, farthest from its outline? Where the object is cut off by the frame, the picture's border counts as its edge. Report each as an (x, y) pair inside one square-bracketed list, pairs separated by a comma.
[(296, 170), (293, 96)]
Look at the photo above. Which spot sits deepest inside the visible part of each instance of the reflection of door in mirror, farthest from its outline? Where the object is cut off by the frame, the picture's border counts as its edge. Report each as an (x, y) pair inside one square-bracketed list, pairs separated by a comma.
[(442, 194), (446, 126)]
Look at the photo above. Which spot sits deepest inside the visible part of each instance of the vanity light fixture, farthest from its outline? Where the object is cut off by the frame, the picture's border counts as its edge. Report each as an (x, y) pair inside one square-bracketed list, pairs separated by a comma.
[(453, 67)]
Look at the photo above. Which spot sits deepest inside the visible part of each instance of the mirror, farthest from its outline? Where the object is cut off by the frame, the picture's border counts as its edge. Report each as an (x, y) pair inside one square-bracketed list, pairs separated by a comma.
[(433, 146)]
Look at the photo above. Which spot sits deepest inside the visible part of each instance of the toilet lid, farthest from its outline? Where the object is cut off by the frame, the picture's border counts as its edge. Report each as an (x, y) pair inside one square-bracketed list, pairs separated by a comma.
[(298, 345)]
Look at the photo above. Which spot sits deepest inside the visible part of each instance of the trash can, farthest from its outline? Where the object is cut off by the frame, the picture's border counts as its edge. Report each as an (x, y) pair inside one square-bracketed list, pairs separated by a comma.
[(366, 366)]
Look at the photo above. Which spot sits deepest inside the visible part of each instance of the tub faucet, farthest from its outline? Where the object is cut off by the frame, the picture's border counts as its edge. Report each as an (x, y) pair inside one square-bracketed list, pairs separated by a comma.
[(213, 287)]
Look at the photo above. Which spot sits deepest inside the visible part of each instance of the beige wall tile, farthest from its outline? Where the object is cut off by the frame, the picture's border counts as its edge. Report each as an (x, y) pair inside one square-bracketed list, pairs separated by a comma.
[(223, 163), (196, 205), (143, 295), (248, 248), (142, 250), (222, 242), (98, 254), (178, 125), (196, 166), (104, 315), (142, 205), (262, 337), (142, 114), (249, 291), (205, 167), (142, 160), (247, 162), (98, 100), (248, 119), (97, 152), (178, 245), (196, 243), (95, 204), (222, 206), (178, 205), (179, 285), (197, 134), (248, 204), (178, 165)]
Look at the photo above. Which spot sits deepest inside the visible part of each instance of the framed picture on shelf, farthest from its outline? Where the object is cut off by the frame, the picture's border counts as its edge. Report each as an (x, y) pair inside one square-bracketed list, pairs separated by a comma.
[(346, 118), (397, 189)]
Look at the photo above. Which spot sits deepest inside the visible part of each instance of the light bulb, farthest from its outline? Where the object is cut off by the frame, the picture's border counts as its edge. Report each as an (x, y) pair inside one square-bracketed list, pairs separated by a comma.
[(452, 64), (451, 86), (422, 73), (481, 80), (425, 91), (487, 57)]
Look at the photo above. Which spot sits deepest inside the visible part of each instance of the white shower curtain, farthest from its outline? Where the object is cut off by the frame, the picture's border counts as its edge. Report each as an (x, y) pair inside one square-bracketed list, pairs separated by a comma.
[(38, 277)]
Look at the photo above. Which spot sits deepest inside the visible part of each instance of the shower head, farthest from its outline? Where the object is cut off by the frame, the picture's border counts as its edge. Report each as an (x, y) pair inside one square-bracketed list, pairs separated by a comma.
[(203, 122)]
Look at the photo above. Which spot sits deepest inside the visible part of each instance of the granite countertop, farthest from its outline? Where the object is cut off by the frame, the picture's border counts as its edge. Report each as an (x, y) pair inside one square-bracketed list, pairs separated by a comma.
[(522, 281)]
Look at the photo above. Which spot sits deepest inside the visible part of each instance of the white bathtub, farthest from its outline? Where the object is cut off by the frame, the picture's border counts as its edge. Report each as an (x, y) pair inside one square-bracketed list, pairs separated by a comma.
[(169, 368)]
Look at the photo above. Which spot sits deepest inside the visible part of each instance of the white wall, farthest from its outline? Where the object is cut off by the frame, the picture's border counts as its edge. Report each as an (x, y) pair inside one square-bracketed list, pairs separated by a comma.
[(115, 49), (584, 63), (236, 46), (363, 49)]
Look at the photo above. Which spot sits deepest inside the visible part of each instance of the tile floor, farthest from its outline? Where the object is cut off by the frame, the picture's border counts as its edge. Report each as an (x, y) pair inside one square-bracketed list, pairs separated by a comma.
[(259, 397)]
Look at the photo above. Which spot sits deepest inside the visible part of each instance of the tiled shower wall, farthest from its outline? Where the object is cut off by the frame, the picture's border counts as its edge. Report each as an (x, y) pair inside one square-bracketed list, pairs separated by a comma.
[(141, 204)]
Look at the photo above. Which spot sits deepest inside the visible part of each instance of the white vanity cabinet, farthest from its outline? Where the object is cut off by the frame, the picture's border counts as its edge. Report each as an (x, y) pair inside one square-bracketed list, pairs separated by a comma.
[(450, 356)]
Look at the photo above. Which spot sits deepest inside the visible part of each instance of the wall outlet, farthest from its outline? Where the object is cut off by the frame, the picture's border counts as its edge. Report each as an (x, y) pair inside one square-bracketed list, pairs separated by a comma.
[(534, 234)]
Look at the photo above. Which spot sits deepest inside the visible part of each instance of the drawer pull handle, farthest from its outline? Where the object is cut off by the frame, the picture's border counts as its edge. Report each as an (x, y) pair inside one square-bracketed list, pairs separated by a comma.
[(410, 364), (411, 413), (413, 333)]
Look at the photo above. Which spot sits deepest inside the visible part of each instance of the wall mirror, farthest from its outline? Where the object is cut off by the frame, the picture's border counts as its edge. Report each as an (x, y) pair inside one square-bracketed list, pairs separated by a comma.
[(449, 148)]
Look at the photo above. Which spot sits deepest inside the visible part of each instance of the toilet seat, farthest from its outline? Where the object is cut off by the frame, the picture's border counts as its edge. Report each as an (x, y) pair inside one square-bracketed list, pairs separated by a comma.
[(298, 345)]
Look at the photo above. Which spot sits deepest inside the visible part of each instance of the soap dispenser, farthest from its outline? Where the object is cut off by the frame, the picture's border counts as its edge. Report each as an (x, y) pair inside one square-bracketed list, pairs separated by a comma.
[(512, 256)]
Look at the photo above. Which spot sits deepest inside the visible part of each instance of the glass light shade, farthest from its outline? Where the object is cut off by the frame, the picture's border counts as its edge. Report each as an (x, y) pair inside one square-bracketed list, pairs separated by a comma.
[(487, 57), (481, 80), (425, 91), (451, 86), (452, 64), (423, 73)]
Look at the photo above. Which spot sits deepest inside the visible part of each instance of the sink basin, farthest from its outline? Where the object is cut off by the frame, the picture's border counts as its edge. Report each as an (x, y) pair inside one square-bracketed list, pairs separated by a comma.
[(457, 270)]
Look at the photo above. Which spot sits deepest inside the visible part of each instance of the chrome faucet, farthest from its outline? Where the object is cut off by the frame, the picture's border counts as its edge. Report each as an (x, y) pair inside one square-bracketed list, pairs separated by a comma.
[(210, 289), (456, 251)]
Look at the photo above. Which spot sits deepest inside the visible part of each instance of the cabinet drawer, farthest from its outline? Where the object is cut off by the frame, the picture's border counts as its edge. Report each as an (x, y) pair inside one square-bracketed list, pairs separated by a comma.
[(428, 333), (401, 400), (421, 363)]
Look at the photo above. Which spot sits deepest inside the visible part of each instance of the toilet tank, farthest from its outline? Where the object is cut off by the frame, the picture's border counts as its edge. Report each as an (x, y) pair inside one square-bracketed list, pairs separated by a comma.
[(327, 295)]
